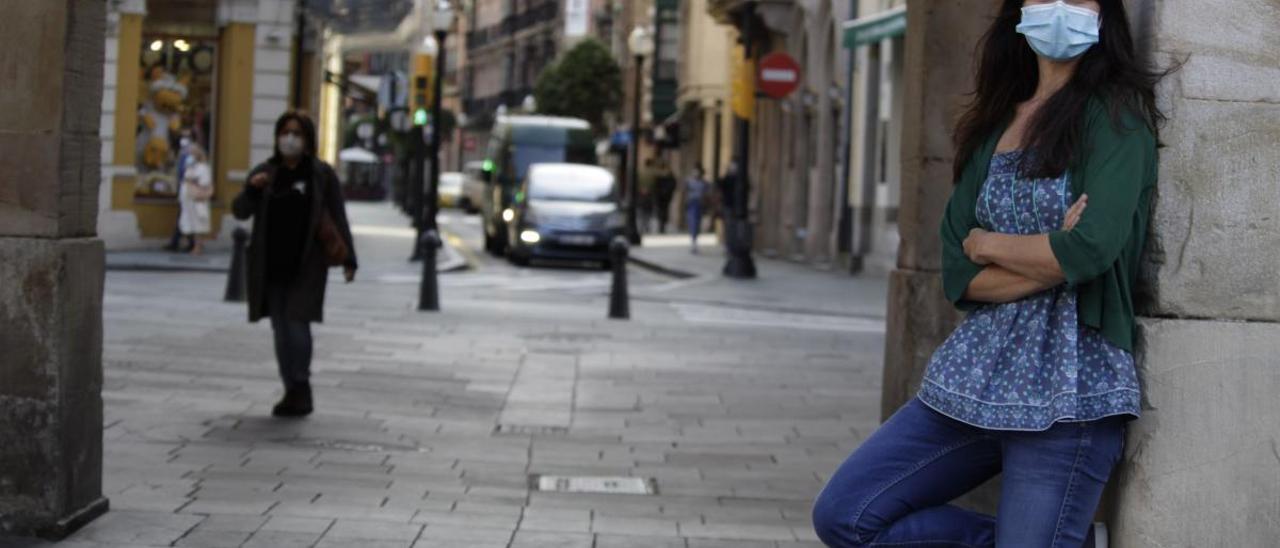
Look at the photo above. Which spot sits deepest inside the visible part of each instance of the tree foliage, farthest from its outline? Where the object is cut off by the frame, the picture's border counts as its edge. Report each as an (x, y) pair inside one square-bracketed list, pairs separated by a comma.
[(586, 82)]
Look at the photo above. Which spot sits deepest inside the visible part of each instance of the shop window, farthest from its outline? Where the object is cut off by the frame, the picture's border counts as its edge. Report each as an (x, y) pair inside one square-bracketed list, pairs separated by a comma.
[(176, 101)]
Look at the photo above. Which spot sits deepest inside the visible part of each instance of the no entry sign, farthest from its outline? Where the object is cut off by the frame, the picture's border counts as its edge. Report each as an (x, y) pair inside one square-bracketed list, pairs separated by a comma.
[(779, 75)]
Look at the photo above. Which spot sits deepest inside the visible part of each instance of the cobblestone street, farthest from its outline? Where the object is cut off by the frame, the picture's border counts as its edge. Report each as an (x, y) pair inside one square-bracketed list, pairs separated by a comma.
[(434, 430)]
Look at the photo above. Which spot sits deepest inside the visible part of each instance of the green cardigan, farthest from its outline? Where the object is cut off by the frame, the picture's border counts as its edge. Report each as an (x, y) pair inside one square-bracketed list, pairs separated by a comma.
[(1100, 257)]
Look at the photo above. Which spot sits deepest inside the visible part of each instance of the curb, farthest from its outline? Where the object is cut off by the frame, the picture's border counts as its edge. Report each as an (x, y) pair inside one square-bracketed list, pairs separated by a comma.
[(660, 269), (163, 264)]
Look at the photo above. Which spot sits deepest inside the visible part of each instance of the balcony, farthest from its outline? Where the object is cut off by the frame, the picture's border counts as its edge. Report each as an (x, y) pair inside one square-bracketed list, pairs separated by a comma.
[(480, 106), (511, 25)]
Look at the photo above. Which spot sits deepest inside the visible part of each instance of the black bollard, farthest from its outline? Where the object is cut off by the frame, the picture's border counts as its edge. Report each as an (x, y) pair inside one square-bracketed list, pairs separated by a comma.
[(235, 275), (619, 301), (428, 288)]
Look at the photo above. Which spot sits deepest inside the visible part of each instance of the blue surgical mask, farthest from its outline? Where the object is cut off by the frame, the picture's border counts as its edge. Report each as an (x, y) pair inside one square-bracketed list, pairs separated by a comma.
[(1059, 31)]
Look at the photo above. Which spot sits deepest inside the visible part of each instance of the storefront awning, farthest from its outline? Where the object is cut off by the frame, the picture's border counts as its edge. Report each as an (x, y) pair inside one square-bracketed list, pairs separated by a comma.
[(874, 28)]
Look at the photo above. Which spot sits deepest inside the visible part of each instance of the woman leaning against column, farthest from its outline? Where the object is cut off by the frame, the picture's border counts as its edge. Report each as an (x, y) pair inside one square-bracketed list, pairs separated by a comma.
[(1055, 169), (299, 230)]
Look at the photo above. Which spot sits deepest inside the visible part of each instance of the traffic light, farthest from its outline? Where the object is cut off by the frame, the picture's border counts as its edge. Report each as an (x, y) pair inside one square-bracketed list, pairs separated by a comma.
[(421, 77)]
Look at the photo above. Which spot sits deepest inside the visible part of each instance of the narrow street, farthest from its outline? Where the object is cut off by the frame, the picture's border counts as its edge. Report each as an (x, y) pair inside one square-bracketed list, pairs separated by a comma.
[(476, 426)]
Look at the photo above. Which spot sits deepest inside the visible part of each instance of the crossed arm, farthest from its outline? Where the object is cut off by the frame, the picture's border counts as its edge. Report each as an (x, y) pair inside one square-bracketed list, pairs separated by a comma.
[(1015, 266)]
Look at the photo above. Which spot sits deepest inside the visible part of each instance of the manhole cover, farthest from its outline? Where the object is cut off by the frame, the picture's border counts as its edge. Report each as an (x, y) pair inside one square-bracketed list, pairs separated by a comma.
[(594, 485)]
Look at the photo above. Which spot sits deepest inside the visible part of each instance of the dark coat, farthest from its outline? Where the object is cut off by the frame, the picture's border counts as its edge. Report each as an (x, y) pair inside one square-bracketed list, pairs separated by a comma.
[(306, 293)]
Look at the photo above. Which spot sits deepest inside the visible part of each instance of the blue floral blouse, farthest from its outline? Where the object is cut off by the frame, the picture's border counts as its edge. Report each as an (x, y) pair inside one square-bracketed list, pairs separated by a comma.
[(1028, 364)]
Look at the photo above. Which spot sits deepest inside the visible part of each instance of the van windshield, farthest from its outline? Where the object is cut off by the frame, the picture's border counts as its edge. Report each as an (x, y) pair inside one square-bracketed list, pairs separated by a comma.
[(567, 186), (550, 145)]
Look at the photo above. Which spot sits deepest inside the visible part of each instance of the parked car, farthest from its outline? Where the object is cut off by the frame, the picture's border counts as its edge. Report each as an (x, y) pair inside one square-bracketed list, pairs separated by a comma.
[(473, 187), (451, 189), (564, 212), (518, 142)]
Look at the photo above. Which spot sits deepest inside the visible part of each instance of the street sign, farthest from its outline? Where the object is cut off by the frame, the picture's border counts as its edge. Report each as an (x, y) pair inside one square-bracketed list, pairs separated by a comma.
[(779, 75)]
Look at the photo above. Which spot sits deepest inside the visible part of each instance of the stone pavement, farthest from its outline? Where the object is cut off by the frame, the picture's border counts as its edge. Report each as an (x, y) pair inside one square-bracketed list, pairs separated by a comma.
[(432, 430)]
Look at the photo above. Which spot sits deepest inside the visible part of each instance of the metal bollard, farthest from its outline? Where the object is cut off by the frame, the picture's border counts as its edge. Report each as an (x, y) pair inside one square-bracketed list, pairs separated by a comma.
[(236, 274), (619, 301), (428, 288)]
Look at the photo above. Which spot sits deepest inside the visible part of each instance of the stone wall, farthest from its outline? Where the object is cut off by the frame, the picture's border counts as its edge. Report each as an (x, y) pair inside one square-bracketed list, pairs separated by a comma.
[(52, 266), (1203, 466)]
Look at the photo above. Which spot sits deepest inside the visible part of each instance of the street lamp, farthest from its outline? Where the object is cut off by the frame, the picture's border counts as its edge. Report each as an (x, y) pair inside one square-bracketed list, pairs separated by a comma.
[(641, 45), (430, 241)]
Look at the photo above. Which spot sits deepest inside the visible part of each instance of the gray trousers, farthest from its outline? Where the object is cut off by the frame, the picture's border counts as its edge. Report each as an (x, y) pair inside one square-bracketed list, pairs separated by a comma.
[(293, 341)]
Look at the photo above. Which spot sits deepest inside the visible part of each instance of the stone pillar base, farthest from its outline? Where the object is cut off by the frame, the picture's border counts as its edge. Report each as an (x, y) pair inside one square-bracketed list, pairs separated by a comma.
[(50, 385), (1202, 465)]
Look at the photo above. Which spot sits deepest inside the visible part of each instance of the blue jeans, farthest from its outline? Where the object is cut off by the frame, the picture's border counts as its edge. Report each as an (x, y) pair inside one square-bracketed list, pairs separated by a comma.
[(895, 489), (292, 340), (693, 217)]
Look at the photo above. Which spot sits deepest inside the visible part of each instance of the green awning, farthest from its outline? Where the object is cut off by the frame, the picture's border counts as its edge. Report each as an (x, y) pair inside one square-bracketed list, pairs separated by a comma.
[(874, 28)]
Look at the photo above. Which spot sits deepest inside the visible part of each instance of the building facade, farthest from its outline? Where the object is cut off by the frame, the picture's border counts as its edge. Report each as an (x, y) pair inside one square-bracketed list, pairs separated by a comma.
[(795, 143), (871, 168), (216, 73), (703, 125)]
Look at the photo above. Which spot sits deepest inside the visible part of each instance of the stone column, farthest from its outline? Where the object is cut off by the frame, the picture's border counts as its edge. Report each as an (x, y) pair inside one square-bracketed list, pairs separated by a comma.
[(938, 71), (1202, 466), (51, 271)]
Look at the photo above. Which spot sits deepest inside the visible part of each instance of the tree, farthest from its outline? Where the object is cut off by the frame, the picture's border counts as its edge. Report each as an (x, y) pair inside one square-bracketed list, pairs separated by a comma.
[(586, 82)]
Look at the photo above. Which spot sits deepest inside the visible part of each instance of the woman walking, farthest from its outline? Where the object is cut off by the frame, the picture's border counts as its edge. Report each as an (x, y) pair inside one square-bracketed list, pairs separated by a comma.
[(193, 199), (1055, 169), (695, 197), (299, 230)]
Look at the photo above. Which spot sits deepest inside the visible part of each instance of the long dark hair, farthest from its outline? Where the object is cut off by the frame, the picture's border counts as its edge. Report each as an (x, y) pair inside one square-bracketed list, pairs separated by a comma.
[(1008, 74), (308, 133)]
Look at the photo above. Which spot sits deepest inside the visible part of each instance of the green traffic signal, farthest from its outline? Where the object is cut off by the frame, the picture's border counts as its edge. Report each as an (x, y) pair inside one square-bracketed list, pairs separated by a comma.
[(420, 117)]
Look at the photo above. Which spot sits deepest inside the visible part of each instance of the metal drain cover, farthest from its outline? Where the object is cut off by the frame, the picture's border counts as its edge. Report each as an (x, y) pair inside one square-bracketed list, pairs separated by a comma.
[(620, 485)]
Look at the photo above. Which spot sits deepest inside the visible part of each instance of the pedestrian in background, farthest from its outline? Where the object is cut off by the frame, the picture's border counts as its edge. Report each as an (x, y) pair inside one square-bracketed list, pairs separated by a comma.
[(726, 186), (646, 200), (666, 191), (193, 199), (184, 145), (695, 197), (1055, 168), (299, 230)]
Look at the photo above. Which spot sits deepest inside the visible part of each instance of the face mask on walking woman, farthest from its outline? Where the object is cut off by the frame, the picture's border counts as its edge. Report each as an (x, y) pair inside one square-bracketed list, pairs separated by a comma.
[(1059, 31), (290, 145)]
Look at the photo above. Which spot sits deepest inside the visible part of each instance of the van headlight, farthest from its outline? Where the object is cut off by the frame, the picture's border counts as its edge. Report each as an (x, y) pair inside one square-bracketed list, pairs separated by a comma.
[(530, 236)]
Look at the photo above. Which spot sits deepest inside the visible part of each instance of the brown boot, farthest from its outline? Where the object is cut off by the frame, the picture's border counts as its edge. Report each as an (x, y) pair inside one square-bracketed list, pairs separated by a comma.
[(295, 403)]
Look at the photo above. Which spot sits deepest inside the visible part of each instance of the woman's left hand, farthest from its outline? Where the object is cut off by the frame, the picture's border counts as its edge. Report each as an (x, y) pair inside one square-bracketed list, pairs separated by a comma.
[(349, 274), (973, 246)]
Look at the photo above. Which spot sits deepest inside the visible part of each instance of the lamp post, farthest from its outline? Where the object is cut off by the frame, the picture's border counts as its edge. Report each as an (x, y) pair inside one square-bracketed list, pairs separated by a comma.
[(641, 45), (429, 241), (740, 265), (442, 22)]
